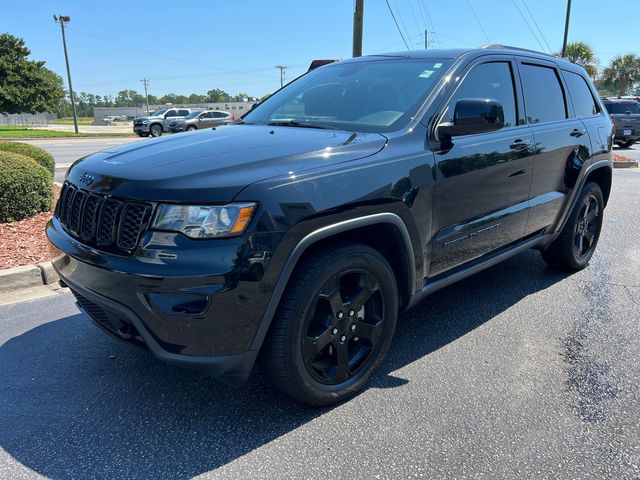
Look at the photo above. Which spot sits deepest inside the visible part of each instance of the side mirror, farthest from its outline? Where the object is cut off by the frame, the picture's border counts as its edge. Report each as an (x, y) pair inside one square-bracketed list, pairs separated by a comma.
[(472, 116), (166, 115)]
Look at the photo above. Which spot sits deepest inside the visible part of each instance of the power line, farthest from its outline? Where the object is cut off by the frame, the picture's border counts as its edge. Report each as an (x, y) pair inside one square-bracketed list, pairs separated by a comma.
[(478, 20), (537, 26), (397, 26), (168, 57), (404, 26), (425, 6), (524, 19)]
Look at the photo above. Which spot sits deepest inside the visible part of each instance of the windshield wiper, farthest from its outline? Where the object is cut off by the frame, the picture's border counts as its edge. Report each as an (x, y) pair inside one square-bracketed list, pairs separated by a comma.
[(294, 123)]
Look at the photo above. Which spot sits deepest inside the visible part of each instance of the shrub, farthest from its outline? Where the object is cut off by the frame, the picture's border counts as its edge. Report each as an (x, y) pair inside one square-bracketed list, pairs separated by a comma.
[(25, 187), (40, 156)]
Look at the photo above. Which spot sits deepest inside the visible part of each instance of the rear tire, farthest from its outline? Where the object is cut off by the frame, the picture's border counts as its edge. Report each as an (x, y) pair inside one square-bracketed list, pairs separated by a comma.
[(573, 249), (155, 130), (334, 325), (191, 128)]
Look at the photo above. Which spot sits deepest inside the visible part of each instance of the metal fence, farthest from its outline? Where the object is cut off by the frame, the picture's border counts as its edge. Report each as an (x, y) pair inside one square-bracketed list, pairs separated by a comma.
[(28, 118)]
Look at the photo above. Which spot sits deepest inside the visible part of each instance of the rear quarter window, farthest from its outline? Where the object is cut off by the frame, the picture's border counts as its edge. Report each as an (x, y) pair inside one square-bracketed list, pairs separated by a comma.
[(582, 99), (543, 96)]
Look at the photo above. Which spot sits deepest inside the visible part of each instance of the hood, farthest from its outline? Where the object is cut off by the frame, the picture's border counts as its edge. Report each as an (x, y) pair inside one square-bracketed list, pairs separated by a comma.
[(149, 117), (214, 165)]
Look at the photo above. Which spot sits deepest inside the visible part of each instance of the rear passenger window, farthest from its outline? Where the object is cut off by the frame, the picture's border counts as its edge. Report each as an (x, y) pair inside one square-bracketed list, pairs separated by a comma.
[(488, 80), (543, 97), (580, 93)]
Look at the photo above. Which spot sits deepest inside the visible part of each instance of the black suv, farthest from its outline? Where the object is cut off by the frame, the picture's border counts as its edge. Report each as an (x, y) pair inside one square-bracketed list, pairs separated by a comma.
[(625, 114), (296, 236)]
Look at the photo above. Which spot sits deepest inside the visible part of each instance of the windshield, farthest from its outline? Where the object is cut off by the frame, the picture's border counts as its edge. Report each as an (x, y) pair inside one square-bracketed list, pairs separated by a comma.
[(192, 115), (622, 107), (371, 96), (158, 113)]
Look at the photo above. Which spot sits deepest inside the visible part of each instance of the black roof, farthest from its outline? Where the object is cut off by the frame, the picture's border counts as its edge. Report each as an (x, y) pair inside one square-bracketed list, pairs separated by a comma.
[(452, 53)]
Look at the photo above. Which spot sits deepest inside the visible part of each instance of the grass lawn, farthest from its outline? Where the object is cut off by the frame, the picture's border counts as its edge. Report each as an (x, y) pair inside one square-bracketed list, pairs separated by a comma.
[(69, 121), (24, 132)]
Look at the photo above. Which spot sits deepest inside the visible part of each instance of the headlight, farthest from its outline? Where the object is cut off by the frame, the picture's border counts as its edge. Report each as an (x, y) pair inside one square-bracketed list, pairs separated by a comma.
[(204, 221)]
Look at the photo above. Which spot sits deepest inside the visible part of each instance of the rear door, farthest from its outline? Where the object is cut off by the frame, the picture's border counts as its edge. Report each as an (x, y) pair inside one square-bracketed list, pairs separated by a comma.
[(561, 141), (482, 180)]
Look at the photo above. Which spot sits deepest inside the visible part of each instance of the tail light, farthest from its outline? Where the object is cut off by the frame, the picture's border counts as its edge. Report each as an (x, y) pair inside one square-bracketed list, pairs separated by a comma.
[(233, 118)]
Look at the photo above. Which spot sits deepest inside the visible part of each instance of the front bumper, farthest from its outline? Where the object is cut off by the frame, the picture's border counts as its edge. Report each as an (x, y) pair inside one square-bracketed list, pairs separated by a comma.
[(141, 128), (192, 304)]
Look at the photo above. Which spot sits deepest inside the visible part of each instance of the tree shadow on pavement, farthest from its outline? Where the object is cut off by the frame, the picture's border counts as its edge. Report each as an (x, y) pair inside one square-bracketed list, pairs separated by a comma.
[(75, 403)]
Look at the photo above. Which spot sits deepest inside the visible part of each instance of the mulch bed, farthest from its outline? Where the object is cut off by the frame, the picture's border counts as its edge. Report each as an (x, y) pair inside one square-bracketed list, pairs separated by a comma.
[(24, 242), (621, 158)]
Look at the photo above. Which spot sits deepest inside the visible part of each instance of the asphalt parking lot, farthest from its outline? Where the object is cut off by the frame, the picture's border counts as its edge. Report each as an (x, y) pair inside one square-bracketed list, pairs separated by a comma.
[(517, 372)]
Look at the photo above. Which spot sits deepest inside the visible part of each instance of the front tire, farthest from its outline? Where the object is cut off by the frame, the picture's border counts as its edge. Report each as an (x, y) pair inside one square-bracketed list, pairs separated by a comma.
[(334, 325), (191, 128), (155, 130), (573, 249)]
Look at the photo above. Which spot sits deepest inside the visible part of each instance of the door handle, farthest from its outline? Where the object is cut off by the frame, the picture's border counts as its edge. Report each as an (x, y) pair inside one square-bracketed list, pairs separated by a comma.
[(519, 145), (577, 132)]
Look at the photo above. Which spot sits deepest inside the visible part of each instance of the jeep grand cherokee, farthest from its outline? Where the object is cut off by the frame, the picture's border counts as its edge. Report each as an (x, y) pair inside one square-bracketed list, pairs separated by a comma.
[(362, 187)]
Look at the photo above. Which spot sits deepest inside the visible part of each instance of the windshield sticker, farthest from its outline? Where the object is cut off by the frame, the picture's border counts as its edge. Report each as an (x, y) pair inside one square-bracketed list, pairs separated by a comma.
[(426, 74), (437, 65)]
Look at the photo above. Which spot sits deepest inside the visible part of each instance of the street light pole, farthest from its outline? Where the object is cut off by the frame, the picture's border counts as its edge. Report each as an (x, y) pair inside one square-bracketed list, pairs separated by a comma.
[(282, 69), (146, 95), (566, 28), (62, 19)]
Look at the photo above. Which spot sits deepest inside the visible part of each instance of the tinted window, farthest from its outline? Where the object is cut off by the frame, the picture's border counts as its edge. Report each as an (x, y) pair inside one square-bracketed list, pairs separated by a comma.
[(622, 107), (171, 113), (487, 80), (376, 95), (182, 113), (205, 115), (543, 97), (581, 96), (219, 115)]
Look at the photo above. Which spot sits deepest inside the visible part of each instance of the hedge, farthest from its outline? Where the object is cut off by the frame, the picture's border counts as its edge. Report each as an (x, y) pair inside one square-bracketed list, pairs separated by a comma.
[(37, 154), (25, 187)]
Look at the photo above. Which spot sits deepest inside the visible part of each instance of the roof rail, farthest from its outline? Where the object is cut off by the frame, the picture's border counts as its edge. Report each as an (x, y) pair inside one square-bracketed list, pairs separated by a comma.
[(499, 46)]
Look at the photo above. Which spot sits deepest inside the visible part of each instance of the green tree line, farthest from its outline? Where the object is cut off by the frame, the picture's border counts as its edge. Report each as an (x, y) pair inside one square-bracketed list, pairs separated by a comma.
[(86, 102)]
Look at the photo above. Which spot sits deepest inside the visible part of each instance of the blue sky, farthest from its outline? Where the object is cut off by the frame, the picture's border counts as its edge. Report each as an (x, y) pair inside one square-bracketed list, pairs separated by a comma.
[(196, 45)]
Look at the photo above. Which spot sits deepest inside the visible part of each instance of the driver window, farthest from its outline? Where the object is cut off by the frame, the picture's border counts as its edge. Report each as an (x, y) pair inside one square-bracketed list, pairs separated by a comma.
[(492, 80)]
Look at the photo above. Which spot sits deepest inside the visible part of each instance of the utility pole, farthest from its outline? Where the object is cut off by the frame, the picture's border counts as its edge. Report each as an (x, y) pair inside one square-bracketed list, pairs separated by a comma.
[(566, 28), (358, 15), (282, 69), (62, 19), (426, 40), (146, 95)]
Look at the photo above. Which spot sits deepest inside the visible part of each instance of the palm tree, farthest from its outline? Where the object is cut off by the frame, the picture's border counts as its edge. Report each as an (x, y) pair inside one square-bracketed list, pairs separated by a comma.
[(622, 73), (582, 54)]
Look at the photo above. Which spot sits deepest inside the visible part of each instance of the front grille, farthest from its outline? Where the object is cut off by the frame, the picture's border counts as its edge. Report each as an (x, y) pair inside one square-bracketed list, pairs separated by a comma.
[(104, 222)]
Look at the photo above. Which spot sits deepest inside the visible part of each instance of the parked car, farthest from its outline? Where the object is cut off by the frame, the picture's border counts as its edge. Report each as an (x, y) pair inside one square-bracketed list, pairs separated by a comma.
[(156, 123), (625, 114), (197, 120), (359, 189)]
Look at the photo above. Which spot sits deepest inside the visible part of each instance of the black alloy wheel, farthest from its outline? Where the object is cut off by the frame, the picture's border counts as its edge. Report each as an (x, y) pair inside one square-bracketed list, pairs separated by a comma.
[(587, 226), (578, 239), (344, 327), (334, 325)]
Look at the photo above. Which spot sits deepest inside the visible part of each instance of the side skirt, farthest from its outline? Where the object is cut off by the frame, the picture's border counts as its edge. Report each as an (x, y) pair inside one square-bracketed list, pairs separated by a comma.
[(464, 272)]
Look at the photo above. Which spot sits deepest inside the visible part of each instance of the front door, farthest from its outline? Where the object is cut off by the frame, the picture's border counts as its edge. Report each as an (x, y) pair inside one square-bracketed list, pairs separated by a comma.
[(482, 180)]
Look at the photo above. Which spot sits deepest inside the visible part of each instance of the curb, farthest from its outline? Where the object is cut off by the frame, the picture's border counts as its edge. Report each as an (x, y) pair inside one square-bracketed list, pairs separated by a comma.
[(27, 276), (631, 164)]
